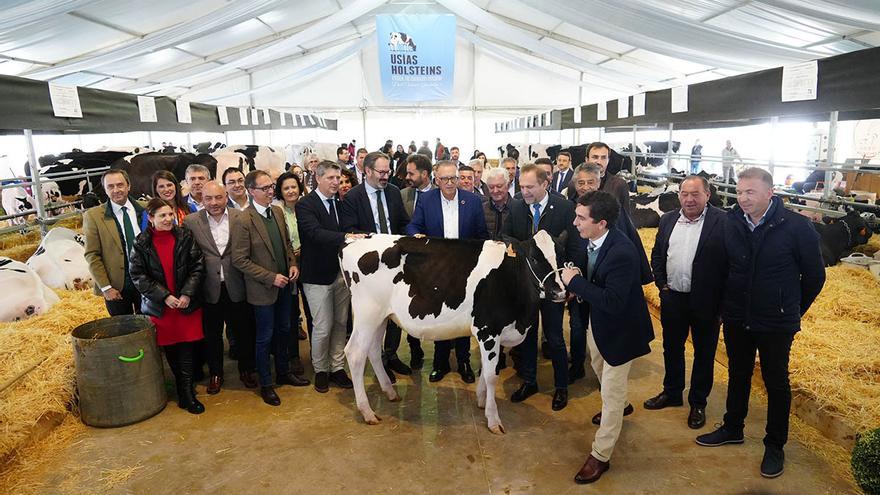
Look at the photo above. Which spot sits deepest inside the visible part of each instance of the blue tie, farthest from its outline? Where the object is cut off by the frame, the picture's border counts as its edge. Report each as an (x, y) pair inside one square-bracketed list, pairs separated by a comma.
[(536, 218)]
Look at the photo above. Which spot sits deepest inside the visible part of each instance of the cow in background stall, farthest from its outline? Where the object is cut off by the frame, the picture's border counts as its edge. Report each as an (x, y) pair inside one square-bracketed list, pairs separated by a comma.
[(439, 289), (838, 236), (140, 168), (270, 159)]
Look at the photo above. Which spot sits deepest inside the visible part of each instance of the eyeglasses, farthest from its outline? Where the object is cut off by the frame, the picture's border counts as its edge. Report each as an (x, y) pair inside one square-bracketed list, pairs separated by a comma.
[(381, 173), (447, 180), (266, 189), (234, 182)]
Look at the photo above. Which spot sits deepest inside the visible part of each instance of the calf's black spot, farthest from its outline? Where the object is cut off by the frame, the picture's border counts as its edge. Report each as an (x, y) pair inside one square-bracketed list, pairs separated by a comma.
[(369, 262), (436, 271)]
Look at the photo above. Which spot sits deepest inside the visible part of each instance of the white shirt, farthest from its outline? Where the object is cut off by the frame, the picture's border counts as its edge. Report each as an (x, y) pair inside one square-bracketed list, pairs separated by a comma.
[(543, 204), (327, 205), (238, 206), (683, 242), (374, 206), (261, 210), (419, 192), (450, 216), (597, 244), (220, 233), (135, 225)]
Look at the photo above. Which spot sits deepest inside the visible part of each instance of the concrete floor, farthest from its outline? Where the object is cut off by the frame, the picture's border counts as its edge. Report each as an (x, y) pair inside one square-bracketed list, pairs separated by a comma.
[(434, 441)]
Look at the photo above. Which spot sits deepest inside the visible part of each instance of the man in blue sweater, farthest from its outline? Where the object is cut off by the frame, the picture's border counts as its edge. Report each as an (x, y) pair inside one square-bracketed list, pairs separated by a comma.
[(775, 272)]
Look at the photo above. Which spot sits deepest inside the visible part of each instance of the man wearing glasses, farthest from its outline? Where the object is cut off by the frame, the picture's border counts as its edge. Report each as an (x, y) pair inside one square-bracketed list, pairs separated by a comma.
[(261, 249), (451, 213), (375, 206)]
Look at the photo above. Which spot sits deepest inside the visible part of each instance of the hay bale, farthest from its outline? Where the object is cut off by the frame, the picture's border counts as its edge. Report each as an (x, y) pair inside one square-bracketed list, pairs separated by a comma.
[(43, 344), (20, 247)]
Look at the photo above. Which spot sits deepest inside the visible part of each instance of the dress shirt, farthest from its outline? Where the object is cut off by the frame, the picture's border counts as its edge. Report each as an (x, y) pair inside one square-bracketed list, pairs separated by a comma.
[(753, 226), (220, 233), (683, 242), (261, 210), (327, 205), (450, 216), (135, 224), (238, 206), (374, 206), (418, 193), (543, 204)]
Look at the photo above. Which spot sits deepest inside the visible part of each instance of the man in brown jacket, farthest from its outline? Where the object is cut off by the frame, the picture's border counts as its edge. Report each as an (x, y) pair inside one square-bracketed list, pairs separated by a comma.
[(261, 249), (110, 231), (598, 153)]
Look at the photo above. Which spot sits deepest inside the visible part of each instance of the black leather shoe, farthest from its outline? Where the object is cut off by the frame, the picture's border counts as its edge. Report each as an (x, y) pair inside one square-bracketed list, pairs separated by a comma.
[(467, 374), (524, 391), (662, 401), (296, 367), (773, 463), (437, 375), (697, 418), (722, 436), (575, 373), (416, 361), (597, 419), (269, 396), (340, 379), (322, 382), (398, 367), (292, 378), (560, 399), (390, 373)]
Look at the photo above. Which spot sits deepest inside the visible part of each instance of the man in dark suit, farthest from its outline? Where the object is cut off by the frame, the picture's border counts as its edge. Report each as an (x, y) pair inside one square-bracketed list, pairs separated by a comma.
[(614, 305), (598, 153), (375, 206), (261, 250), (418, 180), (480, 187), (541, 210), (318, 220), (690, 266), (223, 289), (110, 231), (450, 213), (562, 176), (775, 272), (587, 178), (510, 165)]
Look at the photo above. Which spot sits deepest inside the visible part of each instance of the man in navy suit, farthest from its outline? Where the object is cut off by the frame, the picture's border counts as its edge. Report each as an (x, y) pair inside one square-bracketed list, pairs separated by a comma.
[(450, 213), (614, 305), (317, 217), (375, 206), (564, 173), (540, 209), (690, 267)]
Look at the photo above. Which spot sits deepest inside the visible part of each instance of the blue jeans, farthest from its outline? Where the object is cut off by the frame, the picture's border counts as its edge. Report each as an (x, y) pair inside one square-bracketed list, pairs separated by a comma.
[(551, 318), (273, 319), (578, 335)]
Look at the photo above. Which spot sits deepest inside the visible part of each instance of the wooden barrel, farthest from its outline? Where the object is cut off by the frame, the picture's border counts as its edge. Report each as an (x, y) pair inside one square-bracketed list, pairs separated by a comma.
[(119, 376)]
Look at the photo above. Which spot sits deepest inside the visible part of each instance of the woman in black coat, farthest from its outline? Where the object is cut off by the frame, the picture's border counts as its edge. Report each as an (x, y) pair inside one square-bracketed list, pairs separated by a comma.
[(167, 268)]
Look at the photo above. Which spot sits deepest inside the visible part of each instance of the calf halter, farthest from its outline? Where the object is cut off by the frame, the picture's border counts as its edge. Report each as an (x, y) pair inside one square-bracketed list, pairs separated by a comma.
[(541, 293)]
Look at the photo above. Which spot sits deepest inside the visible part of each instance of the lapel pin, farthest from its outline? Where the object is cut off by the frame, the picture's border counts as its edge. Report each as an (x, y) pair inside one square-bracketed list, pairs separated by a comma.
[(462, 201)]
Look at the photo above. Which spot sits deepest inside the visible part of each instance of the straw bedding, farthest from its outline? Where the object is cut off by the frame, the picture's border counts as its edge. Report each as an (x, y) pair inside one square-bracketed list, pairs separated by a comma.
[(20, 247)]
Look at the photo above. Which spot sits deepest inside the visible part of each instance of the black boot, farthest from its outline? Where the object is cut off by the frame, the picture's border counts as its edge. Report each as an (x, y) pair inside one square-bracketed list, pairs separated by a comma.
[(185, 389)]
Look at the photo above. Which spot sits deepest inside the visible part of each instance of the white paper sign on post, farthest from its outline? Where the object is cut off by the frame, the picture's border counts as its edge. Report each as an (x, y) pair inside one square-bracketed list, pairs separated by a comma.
[(184, 116), (147, 109), (243, 116), (266, 118), (680, 99), (602, 110), (283, 118), (577, 114), (800, 82), (549, 120), (255, 116), (623, 107), (639, 105), (223, 115), (65, 101)]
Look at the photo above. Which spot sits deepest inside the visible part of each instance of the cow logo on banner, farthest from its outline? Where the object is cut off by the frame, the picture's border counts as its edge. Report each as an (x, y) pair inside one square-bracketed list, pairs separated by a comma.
[(416, 56)]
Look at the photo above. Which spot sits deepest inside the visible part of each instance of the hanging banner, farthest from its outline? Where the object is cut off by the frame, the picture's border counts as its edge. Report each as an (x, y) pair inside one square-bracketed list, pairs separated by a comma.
[(416, 56)]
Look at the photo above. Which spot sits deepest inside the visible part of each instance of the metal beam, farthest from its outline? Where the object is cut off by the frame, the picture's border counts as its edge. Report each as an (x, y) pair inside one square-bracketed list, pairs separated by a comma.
[(106, 24), (725, 10)]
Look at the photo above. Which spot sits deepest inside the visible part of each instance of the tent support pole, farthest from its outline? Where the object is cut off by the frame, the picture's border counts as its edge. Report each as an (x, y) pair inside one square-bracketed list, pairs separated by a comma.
[(150, 139), (632, 153), (669, 148), (36, 185), (251, 88), (773, 123), (832, 143), (577, 137)]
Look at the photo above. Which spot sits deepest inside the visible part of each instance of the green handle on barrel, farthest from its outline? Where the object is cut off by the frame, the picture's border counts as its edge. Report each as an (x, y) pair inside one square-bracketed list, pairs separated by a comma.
[(132, 359)]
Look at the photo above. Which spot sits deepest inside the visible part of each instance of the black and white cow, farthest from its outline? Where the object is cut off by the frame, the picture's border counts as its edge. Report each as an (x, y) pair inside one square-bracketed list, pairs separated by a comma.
[(78, 161), (401, 41), (647, 209), (24, 294), (270, 159), (140, 168), (838, 236), (439, 289), (60, 261)]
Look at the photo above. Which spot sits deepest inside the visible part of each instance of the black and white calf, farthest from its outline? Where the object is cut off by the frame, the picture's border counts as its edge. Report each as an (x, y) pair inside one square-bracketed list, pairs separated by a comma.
[(439, 289)]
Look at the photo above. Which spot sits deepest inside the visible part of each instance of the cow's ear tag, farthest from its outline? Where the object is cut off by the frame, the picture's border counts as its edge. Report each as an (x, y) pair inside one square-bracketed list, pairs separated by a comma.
[(510, 251)]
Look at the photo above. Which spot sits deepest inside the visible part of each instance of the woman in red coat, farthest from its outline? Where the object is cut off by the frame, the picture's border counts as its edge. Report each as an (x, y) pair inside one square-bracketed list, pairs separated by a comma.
[(167, 268)]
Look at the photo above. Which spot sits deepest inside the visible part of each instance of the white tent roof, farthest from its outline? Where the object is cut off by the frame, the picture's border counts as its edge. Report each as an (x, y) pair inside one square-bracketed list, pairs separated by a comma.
[(510, 54)]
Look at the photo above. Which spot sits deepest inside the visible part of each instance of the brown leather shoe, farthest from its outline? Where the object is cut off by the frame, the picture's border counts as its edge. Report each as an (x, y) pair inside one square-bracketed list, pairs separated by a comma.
[(248, 379), (214, 384), (591, 471)]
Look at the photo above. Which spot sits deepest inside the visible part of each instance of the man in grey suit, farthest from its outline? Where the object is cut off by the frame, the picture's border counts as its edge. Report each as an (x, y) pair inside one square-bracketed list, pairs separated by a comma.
[(223, 289), (261, 249), (418, 180)]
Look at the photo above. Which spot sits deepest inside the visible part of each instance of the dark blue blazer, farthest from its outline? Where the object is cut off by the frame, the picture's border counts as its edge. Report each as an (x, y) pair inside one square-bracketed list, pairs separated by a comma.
[(320, 237), (775, 272), (709, 271), (428, 216), (613, 300), (356, 214)]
